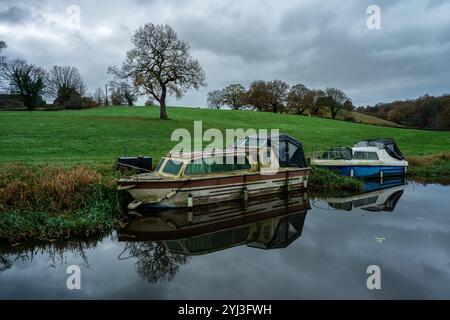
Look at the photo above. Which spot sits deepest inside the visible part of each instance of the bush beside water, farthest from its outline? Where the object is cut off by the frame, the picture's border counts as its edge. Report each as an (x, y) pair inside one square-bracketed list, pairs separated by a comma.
[(430, 166), (55, 202), (326, 180)]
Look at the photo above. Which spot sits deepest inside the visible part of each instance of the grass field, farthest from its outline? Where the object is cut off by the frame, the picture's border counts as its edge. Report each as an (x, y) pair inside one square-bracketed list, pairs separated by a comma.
[(363, 118), (98, 136), (368, 119)]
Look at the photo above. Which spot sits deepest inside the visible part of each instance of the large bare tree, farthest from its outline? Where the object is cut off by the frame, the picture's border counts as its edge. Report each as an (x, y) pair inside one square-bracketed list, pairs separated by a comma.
[(160, 64), (65, 82), (25, 79)]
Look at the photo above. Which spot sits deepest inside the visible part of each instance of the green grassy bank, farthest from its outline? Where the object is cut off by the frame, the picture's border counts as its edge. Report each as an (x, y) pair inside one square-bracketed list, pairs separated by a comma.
[(97, 136)]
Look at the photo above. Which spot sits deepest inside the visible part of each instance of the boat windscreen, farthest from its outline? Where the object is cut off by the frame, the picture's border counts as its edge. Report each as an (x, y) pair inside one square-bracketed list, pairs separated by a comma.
[(160, 163), (173, 167), (341, 153)]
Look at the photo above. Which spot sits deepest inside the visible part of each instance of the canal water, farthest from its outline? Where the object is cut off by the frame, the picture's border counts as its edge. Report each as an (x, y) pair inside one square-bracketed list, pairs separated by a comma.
[(275, 248)]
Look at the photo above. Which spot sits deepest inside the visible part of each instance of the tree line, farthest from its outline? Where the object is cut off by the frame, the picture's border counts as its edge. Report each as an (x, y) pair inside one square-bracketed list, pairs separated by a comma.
[(62, 83), (425, 112), (278, 97)]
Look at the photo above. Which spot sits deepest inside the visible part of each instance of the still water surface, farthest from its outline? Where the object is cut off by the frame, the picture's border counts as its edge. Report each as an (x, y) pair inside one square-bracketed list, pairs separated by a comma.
[(273, 248)]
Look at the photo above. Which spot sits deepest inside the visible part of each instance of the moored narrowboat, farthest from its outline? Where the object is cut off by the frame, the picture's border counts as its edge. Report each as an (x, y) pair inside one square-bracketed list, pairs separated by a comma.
[(238, 172)]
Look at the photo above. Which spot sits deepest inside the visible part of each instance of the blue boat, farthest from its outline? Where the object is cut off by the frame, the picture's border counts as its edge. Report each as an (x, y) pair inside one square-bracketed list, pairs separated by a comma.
[(374, 158)]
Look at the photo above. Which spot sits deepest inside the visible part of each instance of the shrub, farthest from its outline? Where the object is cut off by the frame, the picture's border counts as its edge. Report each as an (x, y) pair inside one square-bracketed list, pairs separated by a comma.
[(349, 118), (430, 166), (329, 180), (55, 202)]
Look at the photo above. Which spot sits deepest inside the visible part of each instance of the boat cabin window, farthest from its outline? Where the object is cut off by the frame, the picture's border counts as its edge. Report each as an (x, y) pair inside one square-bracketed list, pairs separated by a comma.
[(194, 168), (160, 163), (363, 155), (173, 167)]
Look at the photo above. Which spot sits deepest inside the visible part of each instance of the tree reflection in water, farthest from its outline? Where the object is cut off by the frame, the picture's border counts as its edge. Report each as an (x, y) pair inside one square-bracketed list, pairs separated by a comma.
[(54, 252), (5, 263), (155, 262)]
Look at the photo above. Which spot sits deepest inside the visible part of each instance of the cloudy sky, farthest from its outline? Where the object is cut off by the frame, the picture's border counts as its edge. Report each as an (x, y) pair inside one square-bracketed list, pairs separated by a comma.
[(317, 43)]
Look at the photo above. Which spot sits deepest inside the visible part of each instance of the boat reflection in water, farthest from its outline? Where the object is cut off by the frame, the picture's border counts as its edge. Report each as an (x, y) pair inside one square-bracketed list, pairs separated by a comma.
[(378, 196), (265, 222)]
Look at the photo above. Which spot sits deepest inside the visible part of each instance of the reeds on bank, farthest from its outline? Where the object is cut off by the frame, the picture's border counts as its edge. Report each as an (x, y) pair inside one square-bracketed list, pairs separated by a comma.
[(55, 202)]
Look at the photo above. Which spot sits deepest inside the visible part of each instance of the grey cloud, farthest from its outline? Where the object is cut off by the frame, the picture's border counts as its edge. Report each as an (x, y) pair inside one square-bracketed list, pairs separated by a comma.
[(318, 43), (15, 15)]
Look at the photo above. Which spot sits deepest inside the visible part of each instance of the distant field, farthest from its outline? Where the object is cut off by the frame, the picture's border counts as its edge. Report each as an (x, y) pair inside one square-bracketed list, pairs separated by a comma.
[(368, 119), (98, 136), (363, 118)]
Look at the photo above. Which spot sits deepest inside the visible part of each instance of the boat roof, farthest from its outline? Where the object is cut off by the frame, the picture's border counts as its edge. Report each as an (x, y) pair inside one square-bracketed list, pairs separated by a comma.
[(382, 143), (366, 149), (209, 153)]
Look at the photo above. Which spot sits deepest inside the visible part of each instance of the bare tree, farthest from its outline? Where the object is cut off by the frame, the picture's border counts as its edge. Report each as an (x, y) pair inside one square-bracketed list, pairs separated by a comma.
[(25, 79), (2, 59), (215, 99), (122, 92), (64, 83), (155, 262), (129, 92), (99, 96), (335, 101), (2, 46), (234, 96), (160, 64), (116, 97)]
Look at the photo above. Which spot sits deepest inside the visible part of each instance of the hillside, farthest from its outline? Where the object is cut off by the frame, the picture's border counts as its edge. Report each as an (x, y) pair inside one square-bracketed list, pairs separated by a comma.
[(425, 112), (98, 136), (360, 117)]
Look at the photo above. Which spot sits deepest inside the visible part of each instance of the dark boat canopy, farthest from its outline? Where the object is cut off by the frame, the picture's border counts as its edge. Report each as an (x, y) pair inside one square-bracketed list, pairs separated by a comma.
[(291, 152), (385, 143)]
